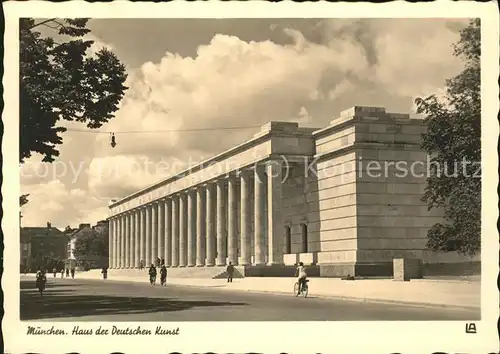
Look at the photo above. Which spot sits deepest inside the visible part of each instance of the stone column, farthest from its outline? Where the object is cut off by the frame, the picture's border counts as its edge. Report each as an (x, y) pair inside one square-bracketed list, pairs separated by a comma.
[(137, 239), (168, 232), (175, 231), (147, 259), (259, 218), (183, 229), (232, 220), (191, 241), (110, 242), (143, 235), (161, 229), (127, 240), (221, 223), (210, 225), (117, 242), (154, 232), (200, 227), (275, 220), (122, 241), (130, 254), (245, 219)]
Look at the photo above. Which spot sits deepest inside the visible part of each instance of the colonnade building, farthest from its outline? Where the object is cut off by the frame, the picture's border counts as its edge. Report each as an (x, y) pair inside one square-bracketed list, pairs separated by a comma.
[(344, 199)]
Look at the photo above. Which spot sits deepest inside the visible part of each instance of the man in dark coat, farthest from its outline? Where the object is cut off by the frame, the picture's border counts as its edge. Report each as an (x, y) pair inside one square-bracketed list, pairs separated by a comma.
[(230, 272), (163, 275)]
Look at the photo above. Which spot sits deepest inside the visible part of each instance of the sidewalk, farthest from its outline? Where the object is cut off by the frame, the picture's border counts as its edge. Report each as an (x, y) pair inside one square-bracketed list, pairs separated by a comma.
[(432, 292)]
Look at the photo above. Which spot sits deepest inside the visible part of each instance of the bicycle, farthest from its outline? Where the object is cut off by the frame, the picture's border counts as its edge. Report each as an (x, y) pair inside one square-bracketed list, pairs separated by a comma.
[(305, 288)]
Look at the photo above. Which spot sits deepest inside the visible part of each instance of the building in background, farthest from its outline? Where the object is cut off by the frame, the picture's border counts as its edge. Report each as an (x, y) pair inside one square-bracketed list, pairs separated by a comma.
[(97, 239), (101, 227), (42, 247), (82, 230)]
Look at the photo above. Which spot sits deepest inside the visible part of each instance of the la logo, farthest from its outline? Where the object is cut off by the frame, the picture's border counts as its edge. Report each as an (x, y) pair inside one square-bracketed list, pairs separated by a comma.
[(470, 328)]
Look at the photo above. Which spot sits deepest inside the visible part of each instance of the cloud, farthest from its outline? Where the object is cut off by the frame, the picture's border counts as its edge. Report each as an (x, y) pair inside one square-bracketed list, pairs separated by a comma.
[(304, 118), (406, 56), (98, 44), (229, 83), (341, 89), (316, 95), (54, 202), (116, 176)]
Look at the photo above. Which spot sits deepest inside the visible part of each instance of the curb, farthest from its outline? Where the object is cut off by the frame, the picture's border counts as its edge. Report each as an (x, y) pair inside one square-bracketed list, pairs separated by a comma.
[(350, 298), (321, 296)]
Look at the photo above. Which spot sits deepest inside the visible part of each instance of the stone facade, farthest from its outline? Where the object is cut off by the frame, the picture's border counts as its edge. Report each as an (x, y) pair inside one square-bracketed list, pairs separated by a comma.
[(345, 198)]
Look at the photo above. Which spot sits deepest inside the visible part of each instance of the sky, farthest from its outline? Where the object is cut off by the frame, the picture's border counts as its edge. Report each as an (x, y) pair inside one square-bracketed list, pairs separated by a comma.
[(197, 74)]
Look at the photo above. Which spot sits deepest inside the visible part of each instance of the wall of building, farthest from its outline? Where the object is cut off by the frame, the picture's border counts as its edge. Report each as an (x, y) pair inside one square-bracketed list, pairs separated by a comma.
[(25, 255), (43, 248), (336, 203), (333, 194), (371, 180), (296, 209)]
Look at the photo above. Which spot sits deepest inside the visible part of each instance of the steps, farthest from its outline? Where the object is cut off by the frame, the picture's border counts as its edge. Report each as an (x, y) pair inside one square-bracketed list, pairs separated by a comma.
[(217, 272)]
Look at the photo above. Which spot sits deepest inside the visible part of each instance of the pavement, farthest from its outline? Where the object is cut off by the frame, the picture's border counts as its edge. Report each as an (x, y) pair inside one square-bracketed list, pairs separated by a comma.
[(452, 292), (102, 300)]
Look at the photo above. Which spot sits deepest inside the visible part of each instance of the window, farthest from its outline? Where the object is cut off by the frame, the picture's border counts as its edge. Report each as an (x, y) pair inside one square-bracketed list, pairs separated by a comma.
[(304, 238), (288, 239)]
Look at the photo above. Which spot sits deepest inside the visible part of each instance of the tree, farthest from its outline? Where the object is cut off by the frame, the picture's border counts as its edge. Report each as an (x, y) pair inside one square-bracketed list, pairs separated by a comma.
[(61, 81), (23, 199), (453, 141), (92, 246)]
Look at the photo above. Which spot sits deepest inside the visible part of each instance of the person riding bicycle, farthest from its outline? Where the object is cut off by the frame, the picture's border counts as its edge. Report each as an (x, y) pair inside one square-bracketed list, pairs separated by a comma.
[(301, 274)]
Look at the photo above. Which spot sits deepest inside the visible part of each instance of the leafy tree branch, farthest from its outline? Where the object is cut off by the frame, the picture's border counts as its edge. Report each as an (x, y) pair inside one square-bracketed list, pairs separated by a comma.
[(63, 82), (453, 140)]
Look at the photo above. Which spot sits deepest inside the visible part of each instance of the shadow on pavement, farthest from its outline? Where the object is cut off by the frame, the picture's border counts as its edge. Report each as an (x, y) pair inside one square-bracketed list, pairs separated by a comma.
[(30, 284), (61, 303)]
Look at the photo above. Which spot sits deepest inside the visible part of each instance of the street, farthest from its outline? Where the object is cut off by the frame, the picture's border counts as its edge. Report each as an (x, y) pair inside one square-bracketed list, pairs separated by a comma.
[(99, 300)]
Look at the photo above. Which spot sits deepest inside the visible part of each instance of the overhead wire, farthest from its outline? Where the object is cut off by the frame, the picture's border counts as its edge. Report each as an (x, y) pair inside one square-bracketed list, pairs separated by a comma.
[(93, 131)]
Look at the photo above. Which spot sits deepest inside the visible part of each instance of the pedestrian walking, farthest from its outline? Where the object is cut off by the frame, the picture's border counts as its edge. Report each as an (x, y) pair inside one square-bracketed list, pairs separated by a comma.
[(54, 270), (230, 272), (104, 273), (163, 275), (73, 273), (152, 274), (67, 272), (62, 273)]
